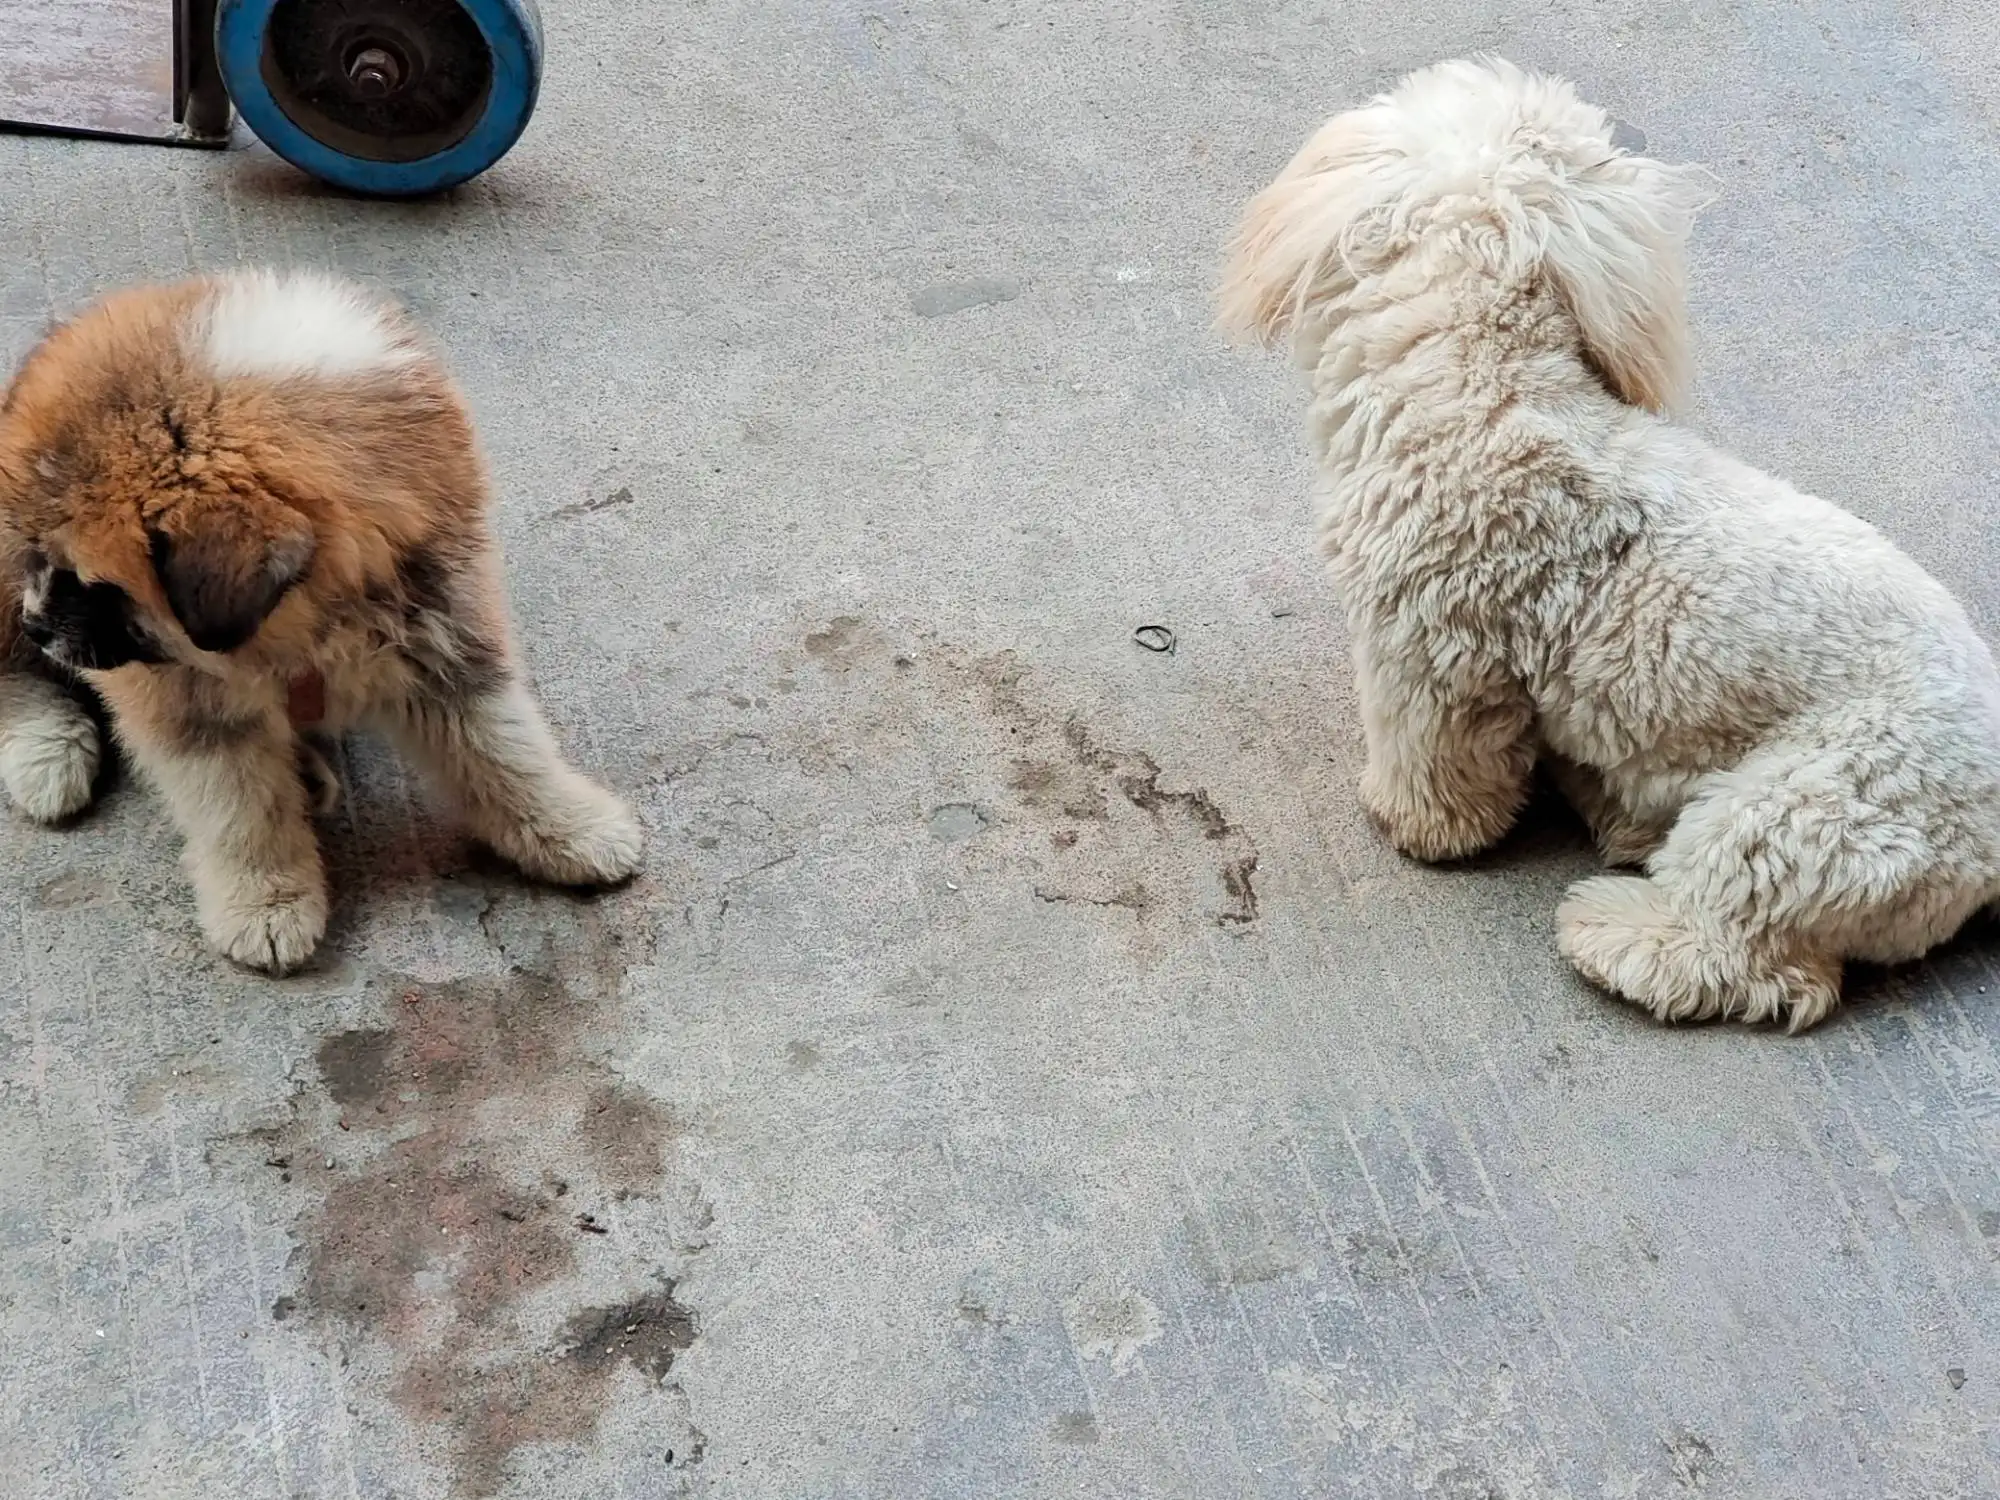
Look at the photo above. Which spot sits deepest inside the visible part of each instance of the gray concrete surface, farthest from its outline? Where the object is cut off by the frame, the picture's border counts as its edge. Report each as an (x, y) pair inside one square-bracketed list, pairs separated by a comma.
[(955, 1109)]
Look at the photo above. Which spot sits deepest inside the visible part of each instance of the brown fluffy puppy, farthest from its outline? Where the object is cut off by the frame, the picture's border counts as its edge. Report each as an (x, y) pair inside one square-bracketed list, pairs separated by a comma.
[(247, 508)]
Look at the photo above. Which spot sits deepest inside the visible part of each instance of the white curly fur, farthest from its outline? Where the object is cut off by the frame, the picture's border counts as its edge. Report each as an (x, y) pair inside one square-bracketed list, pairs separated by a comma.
[(1745, 689), (48, 747)]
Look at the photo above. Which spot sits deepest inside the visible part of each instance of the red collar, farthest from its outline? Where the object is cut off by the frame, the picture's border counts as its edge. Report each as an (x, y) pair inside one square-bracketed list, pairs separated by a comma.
[(305, 699)]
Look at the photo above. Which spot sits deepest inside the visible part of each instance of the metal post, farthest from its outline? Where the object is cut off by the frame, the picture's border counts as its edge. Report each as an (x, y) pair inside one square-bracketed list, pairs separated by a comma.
[(201, 103)]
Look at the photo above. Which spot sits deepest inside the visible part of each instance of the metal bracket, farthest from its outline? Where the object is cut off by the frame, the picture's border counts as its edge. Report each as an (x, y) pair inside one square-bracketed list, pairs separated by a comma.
[(201, 103), (129, 70)]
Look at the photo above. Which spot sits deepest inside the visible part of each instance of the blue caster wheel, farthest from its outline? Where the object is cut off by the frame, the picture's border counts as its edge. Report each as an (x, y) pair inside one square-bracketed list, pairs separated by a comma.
[(394, 98)]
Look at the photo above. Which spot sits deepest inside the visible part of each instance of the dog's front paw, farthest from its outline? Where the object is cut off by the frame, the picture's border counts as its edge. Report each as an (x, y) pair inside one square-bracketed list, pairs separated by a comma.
[(268, 922), (1432, 832), (49, 760), (593, 840)]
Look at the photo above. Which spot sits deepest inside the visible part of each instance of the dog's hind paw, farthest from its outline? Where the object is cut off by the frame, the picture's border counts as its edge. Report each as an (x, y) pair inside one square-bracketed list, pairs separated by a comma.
[(1623, 934), (324, 788), (1627, 843), (594, 841)]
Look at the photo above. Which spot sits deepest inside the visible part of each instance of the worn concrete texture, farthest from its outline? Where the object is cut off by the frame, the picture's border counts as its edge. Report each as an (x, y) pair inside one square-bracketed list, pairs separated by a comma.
[(1021, 1072)]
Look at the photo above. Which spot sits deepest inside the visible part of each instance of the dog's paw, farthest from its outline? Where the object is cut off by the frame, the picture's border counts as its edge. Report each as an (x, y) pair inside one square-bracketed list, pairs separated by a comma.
[(1624, 840), (49, 760), (1433, 833), (272, 923), (1627, 843), (1623, 934), (1618, 933), (594, 840), (324, 788)]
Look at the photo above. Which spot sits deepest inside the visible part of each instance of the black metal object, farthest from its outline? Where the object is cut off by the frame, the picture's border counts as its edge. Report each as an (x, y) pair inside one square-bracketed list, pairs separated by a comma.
[(395, 98), (134, 70), (201, 103)]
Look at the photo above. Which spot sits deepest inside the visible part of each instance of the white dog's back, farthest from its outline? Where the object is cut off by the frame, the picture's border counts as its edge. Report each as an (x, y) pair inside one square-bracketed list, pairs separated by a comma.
[(1745, 688)]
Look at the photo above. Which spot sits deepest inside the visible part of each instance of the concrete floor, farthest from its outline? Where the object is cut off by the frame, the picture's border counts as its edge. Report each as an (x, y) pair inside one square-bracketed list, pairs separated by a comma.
[(1021, 1071)]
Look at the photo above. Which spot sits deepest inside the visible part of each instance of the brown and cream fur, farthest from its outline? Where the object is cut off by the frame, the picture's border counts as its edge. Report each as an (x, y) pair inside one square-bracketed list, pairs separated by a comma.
[(246, 509)]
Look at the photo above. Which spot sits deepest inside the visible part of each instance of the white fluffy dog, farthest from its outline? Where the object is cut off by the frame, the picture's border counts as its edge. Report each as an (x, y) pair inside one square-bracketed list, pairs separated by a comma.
[(1746, 690)]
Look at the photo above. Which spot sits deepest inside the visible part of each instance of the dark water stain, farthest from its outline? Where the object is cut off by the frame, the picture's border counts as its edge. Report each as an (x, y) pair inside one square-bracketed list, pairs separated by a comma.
[(554, 1398), (353, 1063), (1238, 878), (645, 1334), (1235, 1250), (627, 1134), (75, 888), (947, 297), (1060, 786), (846, 643), (181, 1079), (1378, 1257), (954, 821), (1466, 1482), (1079, 786), (1074, 1429), (622, 496), (419, 1234), (1124, 840), (1690, 1459), (1137, 776), (1134, 898)]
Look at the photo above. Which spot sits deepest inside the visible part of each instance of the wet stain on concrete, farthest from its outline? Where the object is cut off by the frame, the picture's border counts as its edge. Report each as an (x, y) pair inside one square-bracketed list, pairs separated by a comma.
[(955, 821), (627, 1136), (845, 643), (1074, 1429), (1059, 786), (1137, 777), (947, 297), (1378, 1257), (1134, 898), (353, 1064), (1466, 1482), (1088, 778), (1690, 1460), (458, 1160), (1113, 1325), (553, 1399), (1123, 839), (646, 1334), (181, 1079), (1241, 1250), (73, 889), (618, 498)]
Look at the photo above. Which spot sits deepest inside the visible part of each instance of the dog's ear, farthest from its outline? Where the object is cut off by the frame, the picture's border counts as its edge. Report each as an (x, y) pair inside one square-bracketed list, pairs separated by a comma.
[(224, 563), (1615, 248), (1299, 236)]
